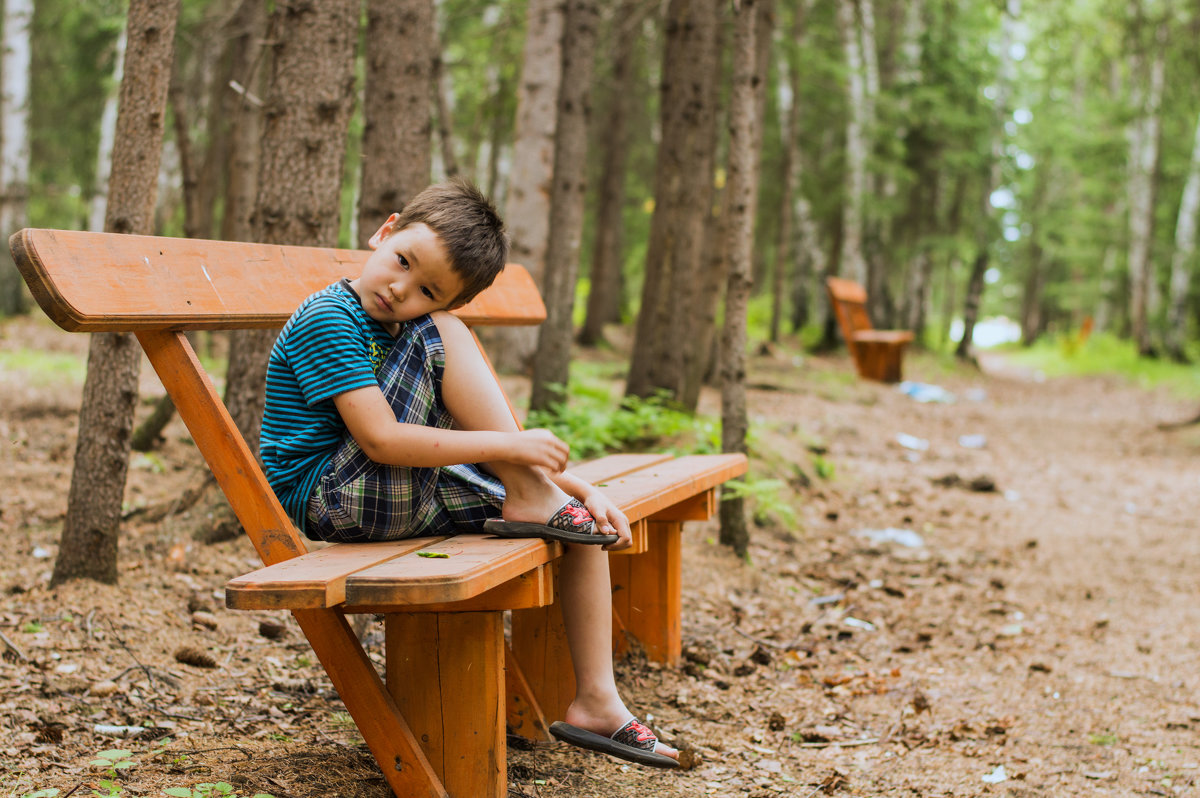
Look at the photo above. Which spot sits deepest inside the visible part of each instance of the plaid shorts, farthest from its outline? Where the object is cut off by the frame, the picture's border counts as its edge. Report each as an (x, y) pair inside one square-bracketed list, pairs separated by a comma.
[(358, 500)]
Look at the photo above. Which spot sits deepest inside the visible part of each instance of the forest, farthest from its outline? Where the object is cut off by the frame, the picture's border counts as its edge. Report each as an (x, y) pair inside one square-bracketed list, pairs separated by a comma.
[(681, 178)]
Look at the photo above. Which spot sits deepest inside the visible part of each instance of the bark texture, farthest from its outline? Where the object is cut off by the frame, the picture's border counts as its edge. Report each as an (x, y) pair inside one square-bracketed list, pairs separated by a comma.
[(853, 265), (397, 123), (551, 366), (1183, 260), (528, 207), (607, 286), (742, 190), (88, 548), (682, 196), (310, 97), (14, 155)]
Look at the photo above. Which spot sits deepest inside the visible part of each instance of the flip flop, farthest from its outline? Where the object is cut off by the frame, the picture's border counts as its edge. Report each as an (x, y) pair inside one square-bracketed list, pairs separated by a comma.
[(571, 524), (633, 742)]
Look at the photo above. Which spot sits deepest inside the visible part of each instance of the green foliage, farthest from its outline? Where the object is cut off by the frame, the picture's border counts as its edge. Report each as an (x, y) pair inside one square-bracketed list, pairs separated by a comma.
[(32, 627), (51, 792), (593, 423), (1104, 353), (42, 369), (768, 500)]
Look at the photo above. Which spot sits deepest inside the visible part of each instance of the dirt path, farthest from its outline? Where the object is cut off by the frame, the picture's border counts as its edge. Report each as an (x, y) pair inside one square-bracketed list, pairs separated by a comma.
[(1046, 627)]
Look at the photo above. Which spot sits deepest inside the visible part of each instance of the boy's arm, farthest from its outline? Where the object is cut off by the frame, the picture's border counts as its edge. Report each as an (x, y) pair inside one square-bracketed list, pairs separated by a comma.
[(373, 424)]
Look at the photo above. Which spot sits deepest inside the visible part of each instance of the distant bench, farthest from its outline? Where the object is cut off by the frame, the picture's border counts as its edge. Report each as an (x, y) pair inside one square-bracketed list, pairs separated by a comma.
[(453, 686), (877, 354)]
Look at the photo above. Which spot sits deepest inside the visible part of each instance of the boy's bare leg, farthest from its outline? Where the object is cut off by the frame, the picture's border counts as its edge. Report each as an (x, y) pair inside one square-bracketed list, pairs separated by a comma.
[(474, 398)]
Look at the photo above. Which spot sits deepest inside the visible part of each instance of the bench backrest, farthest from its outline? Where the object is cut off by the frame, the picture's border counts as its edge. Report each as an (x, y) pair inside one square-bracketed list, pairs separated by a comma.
[(850, 305), (157, 287), (99, 282)]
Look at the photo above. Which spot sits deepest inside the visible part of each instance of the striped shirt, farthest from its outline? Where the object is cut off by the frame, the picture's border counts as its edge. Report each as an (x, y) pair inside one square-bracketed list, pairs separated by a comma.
[(328, 347)]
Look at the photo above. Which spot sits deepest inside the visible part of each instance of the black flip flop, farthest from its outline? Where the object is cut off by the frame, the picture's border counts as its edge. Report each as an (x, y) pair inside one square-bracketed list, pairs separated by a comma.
[(571, 524), (628, 742)]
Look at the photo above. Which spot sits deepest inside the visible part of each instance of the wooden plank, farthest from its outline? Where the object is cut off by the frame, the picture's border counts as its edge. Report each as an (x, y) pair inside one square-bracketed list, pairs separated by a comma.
[(446, 675), (653, 601), (524, 715), (217, 437), (539, 647), (315, 580), (700, 507), (474, 564), (639, 539), (644, 493), (883, 336), (532, 589), (404, 765), (156, 283), (615, 465)]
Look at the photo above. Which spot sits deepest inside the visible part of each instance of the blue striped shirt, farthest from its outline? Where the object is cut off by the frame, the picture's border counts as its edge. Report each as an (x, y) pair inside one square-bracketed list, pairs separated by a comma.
[(328, 347)]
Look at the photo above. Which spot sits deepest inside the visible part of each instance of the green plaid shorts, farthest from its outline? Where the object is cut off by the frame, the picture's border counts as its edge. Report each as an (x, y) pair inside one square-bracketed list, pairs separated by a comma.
[(358, 500)]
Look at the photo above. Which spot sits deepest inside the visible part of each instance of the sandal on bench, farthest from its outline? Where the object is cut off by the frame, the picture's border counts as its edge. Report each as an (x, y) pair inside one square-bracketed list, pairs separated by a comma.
[(571, 524), (633, 742)]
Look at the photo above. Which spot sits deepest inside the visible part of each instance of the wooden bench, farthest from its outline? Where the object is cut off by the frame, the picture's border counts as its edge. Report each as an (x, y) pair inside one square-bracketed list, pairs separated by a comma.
[(877, 354), (436, 722)]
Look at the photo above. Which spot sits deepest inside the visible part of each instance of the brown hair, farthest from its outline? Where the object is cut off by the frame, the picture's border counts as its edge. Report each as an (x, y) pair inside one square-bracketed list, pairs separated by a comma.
[(469, 227)]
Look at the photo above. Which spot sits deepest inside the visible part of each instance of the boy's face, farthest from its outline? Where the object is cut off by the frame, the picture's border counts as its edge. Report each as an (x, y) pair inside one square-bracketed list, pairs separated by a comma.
[(408, 275)]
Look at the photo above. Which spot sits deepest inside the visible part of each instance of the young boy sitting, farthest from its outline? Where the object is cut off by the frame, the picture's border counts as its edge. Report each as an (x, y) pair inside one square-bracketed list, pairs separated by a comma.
[(383, 421)]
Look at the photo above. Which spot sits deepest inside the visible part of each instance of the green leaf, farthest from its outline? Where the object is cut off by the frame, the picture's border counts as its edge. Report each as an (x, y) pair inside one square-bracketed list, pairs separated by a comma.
[(47, 793), (179, 792), (113, 754), (434, 554)]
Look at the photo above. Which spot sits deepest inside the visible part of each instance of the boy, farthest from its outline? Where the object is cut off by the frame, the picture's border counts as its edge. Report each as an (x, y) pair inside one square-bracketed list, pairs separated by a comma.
[(383, 421)]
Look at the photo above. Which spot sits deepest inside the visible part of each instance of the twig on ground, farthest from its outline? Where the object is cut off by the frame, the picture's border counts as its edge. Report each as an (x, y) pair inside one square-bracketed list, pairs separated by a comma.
[(844, 744), (13, 647), (129, 651), (768, 643)]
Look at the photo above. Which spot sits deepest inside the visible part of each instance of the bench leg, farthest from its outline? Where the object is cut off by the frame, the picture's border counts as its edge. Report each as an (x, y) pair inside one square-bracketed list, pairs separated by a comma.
[(446, 674), (539, 645), (407, 771), (648, 594)]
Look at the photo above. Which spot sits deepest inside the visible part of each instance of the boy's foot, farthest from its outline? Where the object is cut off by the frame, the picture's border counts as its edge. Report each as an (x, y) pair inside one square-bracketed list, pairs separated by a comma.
[(633, 742), (572, 523)]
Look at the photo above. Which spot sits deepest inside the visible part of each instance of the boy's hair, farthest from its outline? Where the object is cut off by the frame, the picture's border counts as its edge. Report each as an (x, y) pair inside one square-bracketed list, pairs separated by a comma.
[(469, 227)]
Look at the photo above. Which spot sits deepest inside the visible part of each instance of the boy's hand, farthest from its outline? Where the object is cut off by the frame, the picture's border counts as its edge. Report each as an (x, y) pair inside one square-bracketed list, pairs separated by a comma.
[(609, 520), (539, 447)]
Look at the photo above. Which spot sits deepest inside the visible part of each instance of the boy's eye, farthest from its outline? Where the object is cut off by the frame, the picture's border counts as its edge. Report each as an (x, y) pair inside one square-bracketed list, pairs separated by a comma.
[(426, 292), (403, 263)]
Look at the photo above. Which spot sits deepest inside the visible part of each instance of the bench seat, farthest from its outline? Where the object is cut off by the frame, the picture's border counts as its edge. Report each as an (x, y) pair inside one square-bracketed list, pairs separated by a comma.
[(878, 354)]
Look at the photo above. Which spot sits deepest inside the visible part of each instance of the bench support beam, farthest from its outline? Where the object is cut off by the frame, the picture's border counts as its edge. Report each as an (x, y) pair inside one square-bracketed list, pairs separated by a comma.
[(446, 673), (648, 594)]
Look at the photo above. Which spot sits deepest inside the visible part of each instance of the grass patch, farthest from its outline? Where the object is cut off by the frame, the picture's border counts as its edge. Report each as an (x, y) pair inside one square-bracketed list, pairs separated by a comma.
[(1104, 354), (42, 369)]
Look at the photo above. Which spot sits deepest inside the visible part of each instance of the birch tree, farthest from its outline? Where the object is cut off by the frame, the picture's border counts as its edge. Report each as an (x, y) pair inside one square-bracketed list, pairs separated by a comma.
[(14, 149), (853, 265), (528, 207), (89, 540), (551, 366), (108, 130), (1183, 259), (1143, 139)]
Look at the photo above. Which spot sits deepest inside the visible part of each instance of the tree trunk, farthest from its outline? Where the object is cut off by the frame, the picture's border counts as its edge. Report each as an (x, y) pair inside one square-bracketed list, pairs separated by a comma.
[(88, 548), (14, 154), (442, 94), (742, 189), (853, 266), (247, 348), (1183, 259), (108, 130), (1143, 160), (604, 298), (986, 224), (530, 184), (552, 364), (397, 133), (309, 100), (682, 192)]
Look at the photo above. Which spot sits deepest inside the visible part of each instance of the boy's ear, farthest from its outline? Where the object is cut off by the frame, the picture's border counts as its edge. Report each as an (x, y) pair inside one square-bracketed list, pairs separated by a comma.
[(385, 230)]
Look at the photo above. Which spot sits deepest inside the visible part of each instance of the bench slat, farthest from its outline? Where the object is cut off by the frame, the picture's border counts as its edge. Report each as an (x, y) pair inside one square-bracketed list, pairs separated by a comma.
[(650, 490), (613, 466), (158, 283)]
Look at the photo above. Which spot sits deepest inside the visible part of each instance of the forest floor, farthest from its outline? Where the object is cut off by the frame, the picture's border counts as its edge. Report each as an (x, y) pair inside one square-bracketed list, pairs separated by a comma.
[(1032, 629)]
